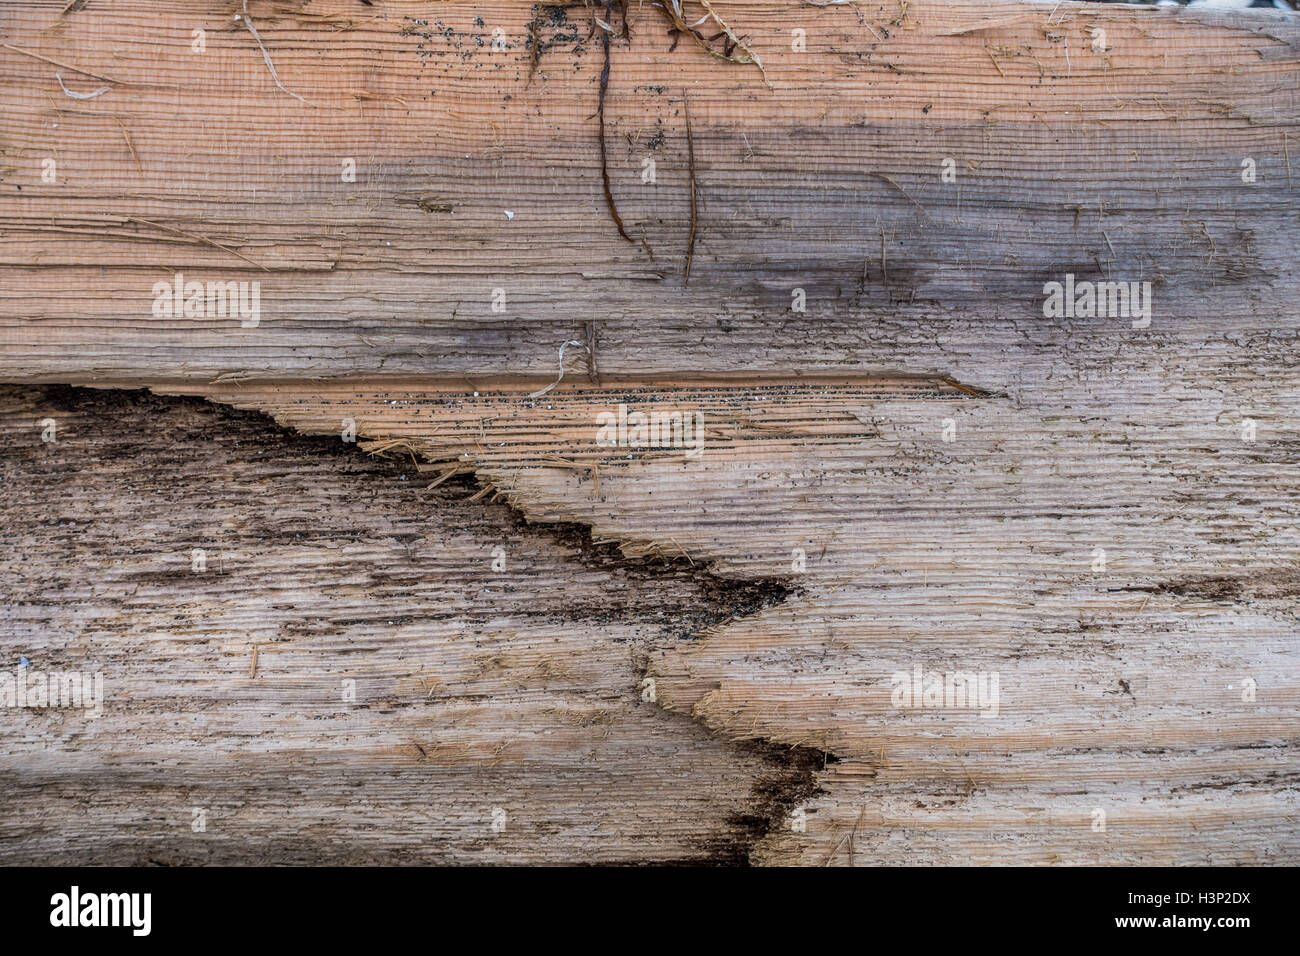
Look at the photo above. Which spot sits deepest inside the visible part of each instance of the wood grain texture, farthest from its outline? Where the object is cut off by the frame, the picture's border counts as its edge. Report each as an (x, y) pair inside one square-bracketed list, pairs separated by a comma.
[(474, 689), (929, 463), (1122, 686), (1124, 163)]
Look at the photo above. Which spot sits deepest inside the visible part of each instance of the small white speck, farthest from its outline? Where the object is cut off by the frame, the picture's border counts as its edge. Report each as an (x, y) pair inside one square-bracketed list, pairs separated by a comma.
[(510, 214)]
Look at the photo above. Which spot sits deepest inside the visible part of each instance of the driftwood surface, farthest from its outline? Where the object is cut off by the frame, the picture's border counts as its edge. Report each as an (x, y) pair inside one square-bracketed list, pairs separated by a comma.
[(921, 469)]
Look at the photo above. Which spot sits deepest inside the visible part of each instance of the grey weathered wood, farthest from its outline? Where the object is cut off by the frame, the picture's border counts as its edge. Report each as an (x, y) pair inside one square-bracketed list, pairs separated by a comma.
[(1173, 447), (474, 690)]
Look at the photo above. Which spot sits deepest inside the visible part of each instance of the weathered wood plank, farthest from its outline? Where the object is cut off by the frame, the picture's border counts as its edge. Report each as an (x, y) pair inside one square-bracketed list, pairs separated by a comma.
[(925, 456), (474, 689), (1123, 162), (1130, 684)]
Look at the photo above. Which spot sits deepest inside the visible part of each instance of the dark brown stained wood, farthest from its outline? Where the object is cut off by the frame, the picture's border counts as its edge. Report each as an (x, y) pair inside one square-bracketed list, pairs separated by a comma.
[(223, 690)]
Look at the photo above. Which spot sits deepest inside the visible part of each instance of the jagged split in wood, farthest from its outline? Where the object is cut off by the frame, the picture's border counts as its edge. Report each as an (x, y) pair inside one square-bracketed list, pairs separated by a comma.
[(782, 777)]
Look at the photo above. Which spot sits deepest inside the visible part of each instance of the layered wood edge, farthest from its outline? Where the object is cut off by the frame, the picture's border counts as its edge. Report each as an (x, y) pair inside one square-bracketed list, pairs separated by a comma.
[(1115, 576), (311, 656)]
